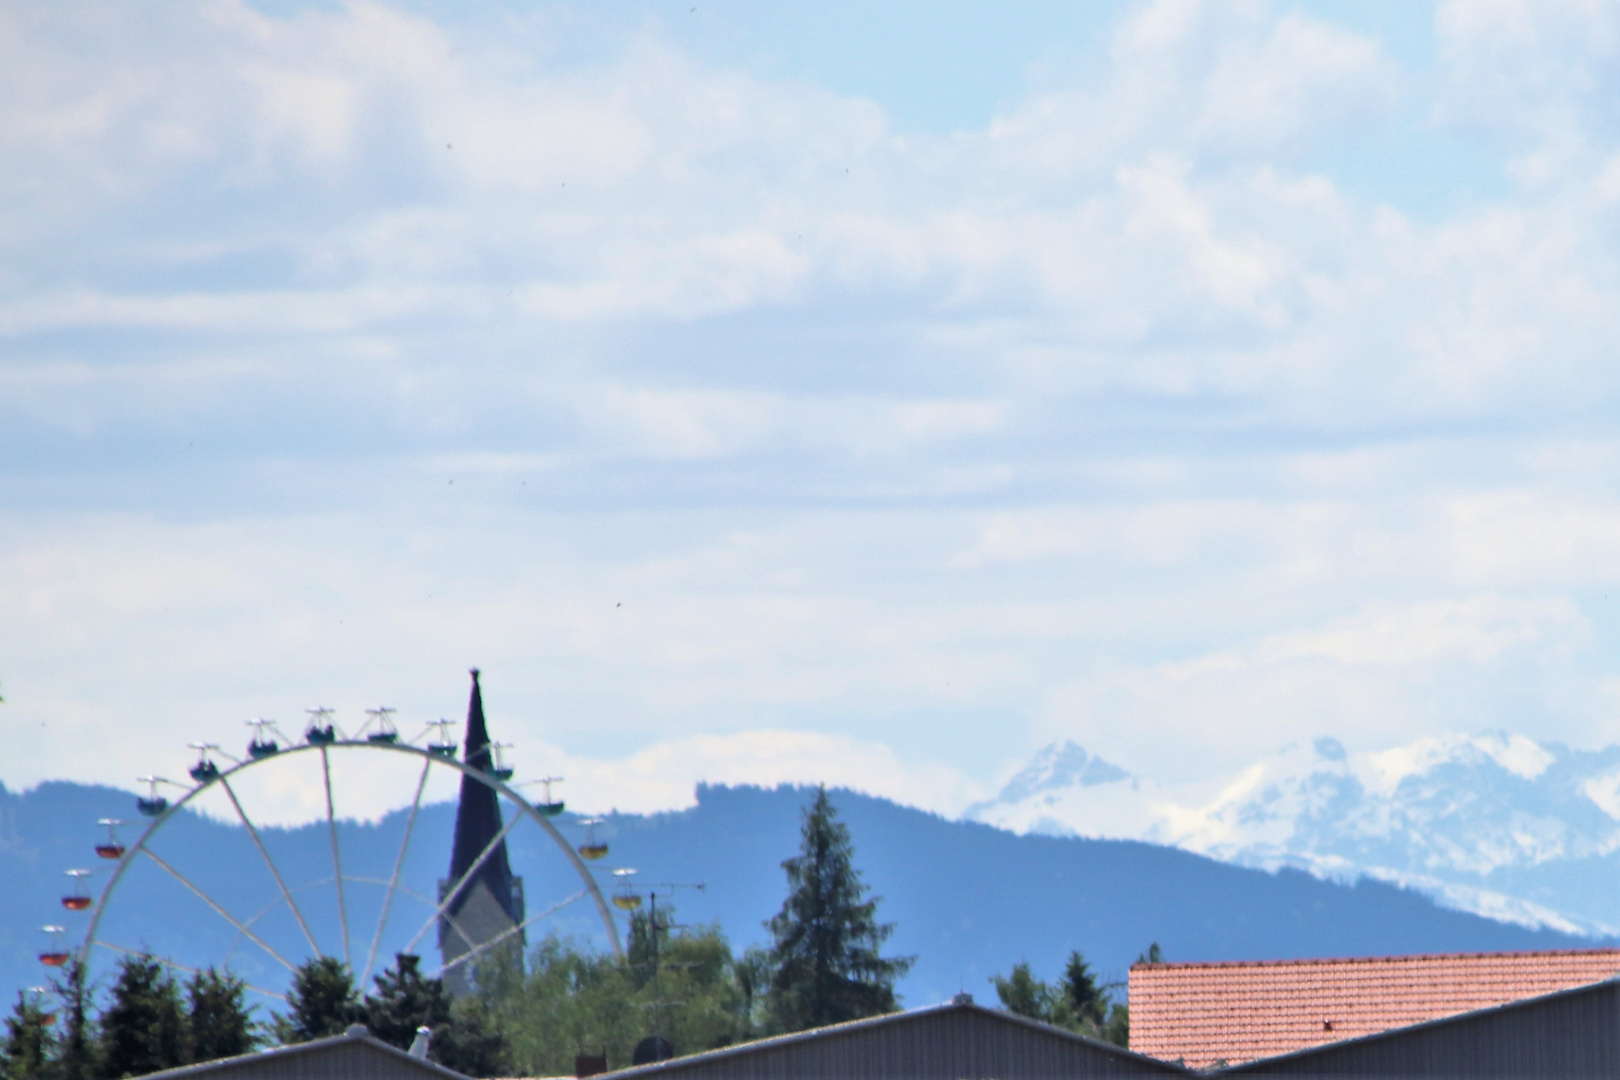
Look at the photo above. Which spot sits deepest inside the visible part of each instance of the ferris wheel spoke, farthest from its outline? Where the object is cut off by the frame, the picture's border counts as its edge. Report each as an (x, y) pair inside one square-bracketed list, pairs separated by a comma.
[(399, 865), (337, 861), (508, 932), (241, 927), (271, 863), (461, 882), (166, 962)]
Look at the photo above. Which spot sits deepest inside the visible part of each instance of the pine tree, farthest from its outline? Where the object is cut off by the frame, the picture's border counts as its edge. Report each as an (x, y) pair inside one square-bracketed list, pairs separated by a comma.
[(1086, 999), (143, 1027), (406, 1000), (825, 962), (219, 1022), (76, 1047), (323, 999), (30, 1045)]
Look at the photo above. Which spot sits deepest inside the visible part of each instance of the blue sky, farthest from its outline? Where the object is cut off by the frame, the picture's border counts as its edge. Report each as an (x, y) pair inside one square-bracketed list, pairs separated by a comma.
[(870, 393)]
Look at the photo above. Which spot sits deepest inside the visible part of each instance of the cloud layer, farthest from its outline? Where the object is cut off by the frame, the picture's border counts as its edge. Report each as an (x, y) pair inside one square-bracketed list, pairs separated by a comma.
[(740, 432)]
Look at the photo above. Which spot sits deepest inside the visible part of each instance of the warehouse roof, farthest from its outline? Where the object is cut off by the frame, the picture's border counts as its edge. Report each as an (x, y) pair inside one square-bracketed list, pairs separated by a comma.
[(954, 1041), (354, 1055), (1568, 1035)]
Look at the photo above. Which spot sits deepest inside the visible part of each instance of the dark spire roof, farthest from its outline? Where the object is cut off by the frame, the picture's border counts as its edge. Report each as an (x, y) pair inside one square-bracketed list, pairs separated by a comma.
[(478, 818)]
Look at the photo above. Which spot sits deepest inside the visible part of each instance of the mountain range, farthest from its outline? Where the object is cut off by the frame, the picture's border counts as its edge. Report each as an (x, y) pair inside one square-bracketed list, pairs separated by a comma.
[(1495, 824), (968, 900)]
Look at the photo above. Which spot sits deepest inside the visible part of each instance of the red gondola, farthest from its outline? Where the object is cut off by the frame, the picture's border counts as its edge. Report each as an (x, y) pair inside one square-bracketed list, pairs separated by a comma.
[(112, 849), (55, 956), (78, 899)]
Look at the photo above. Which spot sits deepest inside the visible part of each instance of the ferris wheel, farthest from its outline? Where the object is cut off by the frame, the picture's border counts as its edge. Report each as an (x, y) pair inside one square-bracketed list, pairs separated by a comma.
[(226, 889)]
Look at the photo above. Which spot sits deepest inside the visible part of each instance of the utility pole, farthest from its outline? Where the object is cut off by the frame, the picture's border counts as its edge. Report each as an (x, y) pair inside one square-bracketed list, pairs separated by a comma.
[(657, 1048)]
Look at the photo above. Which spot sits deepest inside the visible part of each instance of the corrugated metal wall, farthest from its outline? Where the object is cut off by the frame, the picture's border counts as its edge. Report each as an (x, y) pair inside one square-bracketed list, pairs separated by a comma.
[(1574, 1035), (946, 1044)]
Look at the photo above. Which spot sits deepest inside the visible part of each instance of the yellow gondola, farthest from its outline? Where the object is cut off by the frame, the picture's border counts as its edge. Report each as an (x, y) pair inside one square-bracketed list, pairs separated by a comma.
[(592, 848)]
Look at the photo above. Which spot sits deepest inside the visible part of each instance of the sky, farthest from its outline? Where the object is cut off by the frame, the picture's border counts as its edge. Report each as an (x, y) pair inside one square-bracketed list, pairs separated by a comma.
[(764, 392)]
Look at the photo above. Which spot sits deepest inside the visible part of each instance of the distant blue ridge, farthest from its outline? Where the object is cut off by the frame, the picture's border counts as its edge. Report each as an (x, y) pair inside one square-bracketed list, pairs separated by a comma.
[(968, 900)]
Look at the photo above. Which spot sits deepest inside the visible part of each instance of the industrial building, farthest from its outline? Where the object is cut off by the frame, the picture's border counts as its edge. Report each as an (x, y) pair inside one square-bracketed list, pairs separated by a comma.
[(354, 1055), (1569, 1035), (955, 1041)]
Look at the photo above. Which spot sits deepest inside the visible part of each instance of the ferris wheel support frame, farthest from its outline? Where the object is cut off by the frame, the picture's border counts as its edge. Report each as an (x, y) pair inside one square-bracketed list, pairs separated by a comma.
[(429, 759)]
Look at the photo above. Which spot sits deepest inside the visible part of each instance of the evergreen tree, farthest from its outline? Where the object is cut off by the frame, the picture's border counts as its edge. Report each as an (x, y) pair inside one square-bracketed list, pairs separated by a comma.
[(219, 1021), (824, 958), (76, 1047), (143, 1027), (406, 1000), (323, 999), (1078, 1002), (30, 1046), (1085, 998), (752, 975)]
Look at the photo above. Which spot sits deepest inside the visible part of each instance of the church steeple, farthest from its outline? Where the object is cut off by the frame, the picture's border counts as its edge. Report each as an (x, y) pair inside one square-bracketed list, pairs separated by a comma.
[(491, 900)]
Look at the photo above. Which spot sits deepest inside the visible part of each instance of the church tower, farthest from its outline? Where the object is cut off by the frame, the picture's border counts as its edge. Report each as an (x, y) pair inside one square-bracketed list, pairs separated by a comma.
[(490, 901)]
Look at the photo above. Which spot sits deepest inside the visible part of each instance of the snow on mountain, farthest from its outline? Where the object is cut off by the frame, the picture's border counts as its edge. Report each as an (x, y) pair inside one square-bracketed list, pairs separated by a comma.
[(1495, 824)]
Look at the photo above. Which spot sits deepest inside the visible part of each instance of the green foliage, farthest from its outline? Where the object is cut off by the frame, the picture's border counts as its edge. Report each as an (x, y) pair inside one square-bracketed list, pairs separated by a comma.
[(572, 1001), (825, 963), (696, 970), (323, 1002), (752, 975), (569, 1002), (1087, 1001), (219, 1022), (1022, 993), (405, 1000), (648, 931), (76, 1046), (143, 1028), (1078, 1002), (1117, 1028), (29, 1050)]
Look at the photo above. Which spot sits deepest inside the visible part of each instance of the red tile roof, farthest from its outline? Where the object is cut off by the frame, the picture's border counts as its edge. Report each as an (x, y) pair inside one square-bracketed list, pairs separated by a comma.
[(1203, 1014)]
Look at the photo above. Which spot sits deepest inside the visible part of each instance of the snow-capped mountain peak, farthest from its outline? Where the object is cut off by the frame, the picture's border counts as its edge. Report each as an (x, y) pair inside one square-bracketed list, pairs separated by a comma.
[(1058, 766), (1493, 822)]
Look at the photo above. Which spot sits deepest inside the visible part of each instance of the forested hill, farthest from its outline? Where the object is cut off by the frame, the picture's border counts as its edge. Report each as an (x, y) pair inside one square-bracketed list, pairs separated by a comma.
[(968, 899)]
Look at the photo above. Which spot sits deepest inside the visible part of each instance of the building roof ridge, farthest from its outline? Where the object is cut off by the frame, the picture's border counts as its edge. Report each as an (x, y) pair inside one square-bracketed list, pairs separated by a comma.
[(355, 1034), (1390, 958)]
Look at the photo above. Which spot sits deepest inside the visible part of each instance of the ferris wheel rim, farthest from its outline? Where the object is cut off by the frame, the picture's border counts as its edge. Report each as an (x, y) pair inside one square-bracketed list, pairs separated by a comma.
[(429, 758)]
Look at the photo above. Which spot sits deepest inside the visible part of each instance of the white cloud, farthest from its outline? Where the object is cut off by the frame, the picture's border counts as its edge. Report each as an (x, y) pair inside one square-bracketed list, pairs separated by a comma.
[(347, 347), (1536, 76), (664, 775), (659, 777)]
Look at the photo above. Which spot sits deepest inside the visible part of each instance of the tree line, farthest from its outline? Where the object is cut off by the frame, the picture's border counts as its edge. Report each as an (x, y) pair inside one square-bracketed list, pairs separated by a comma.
[(679, 989), (1077, 1001)]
